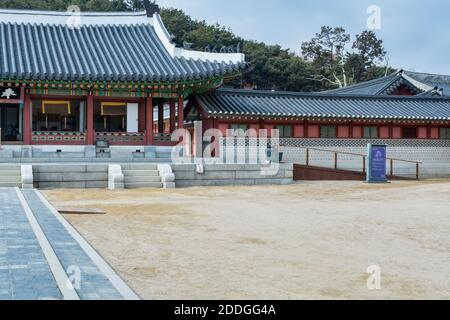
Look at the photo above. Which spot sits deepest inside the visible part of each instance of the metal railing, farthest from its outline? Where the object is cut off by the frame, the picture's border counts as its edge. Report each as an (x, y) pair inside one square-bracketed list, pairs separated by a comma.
[(364, 157)]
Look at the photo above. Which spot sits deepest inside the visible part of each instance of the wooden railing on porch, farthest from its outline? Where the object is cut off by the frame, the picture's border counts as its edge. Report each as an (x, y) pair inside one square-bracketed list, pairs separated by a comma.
[(162, 137), (363, 158), (121, 138), (58, 136), (133, 138)]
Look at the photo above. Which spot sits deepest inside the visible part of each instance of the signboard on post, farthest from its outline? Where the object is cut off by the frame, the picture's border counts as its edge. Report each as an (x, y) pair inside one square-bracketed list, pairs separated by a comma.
[(376, 163)]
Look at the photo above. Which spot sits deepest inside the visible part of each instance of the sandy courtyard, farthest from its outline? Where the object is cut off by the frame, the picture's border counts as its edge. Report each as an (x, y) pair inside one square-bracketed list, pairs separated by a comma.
[(308, 240)]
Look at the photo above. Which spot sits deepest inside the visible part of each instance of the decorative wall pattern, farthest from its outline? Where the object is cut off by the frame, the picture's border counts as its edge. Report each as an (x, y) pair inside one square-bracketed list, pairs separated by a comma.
[(56, 136), (121, 137)]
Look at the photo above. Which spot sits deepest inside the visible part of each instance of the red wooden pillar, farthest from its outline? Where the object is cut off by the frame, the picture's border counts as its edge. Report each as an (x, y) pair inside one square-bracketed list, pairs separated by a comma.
[(27, 120), (306, 126), (90, 119), (350, 123), (149, 121), (172, 115), (142, 126), (160, 117), (180, 112), (391, 130)]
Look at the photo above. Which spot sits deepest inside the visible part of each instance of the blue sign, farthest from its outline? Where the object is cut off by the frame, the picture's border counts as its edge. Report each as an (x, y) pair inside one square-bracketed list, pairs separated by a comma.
[(376, 163)]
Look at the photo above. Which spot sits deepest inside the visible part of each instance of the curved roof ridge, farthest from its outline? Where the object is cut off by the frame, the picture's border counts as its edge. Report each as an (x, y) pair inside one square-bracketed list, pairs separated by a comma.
[(383, 86), (64, 17), (394, 77), (422, 86), (12, 11), (317, 95)]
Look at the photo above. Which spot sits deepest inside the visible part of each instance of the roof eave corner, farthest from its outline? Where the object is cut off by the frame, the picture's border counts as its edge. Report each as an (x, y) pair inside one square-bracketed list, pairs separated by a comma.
[(163, 34), (151, 8), (228, 58), (166, 39)]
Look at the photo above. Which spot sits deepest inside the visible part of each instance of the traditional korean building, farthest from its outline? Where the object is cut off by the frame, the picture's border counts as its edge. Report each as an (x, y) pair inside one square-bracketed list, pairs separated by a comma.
[(75, 80), (315, 116), (336, 127), (72, 81), (403, 105)]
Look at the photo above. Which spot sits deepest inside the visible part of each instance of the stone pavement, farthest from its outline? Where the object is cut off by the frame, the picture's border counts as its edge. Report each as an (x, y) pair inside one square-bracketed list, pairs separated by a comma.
[(24, 271), (43, 257)]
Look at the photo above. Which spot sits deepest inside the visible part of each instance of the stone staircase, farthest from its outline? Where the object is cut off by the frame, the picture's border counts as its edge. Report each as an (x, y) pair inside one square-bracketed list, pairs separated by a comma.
[(10, 176), (141, 176)]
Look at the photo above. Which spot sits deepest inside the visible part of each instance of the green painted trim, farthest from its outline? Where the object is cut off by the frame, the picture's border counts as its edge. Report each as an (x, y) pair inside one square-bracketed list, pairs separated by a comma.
[(113, 85), (123, 89)]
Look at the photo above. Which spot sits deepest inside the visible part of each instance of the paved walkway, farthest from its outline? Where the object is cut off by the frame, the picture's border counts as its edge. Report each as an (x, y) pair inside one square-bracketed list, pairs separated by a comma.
[(43, 257)]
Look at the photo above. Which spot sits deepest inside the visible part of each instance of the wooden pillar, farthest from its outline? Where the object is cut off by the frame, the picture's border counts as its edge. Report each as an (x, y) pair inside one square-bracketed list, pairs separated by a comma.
[(142, 126), (305, 124), (90, 119), (149, 121), (391, 130), (180, 112), (172, 115), (160, 117), (27, 120), (350, 133)]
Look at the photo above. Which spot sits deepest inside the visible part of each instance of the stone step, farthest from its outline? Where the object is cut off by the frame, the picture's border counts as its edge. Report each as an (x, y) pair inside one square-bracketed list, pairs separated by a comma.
[(6, 167), (9, 185), (166, 155), (138, 179), (127, 167), (58, 155), (142, 173), (142, 185), (8, 179), (103, 155), (13, 172)]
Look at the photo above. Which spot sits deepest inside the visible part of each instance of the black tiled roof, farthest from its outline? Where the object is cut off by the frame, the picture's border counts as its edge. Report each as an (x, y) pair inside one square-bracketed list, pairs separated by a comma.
[(263, 104), (385, 86), (434, 80), (96, 52)]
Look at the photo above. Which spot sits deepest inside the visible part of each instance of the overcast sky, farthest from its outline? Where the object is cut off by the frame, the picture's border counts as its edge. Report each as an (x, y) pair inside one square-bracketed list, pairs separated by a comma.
[(416, 33)]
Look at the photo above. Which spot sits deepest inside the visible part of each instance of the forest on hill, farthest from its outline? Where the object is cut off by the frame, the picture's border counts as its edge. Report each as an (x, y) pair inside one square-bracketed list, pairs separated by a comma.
[(331, 59)]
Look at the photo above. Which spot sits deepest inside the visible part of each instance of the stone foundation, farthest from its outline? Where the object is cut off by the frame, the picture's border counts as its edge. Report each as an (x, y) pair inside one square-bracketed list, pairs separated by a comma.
[(68, 176), (230, 174)]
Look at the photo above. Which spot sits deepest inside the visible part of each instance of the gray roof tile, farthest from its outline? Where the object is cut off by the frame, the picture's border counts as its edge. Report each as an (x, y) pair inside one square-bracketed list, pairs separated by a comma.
[(286, 104), (95, 53), (418, 83)]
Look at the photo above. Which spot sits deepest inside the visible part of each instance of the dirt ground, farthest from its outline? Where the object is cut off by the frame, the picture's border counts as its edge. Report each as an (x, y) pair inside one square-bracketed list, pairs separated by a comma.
[(312, 240)]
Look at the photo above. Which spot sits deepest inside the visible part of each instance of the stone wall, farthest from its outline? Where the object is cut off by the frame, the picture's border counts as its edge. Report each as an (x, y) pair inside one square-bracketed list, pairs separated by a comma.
[(231, 174), (434, 155), (78, 176), (82, 176)]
